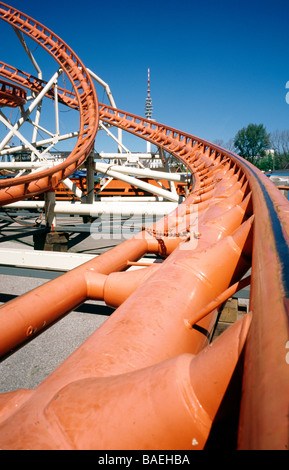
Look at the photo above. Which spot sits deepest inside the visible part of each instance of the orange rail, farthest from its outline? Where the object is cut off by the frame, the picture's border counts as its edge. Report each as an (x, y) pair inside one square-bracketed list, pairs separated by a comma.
[(149, 377)]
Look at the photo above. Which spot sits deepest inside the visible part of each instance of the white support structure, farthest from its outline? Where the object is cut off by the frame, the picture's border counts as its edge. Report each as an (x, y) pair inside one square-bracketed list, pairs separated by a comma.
[(118, 140), (39, 74), (49, 200), (143, 172), (15, 132), (137, 183), (21, 165), (36, 259), (51, 260), (39, 143), (89, 164), (73, 188), (161, 203), (130, 157), (112, 102), (131, 198)]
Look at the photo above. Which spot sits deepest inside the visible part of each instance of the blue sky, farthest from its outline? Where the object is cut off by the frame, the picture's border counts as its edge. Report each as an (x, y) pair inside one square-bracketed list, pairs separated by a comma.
[(216, 66)]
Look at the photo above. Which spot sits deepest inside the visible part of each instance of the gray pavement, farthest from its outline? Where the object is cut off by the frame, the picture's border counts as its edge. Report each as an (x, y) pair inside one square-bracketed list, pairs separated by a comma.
[(30, 364)]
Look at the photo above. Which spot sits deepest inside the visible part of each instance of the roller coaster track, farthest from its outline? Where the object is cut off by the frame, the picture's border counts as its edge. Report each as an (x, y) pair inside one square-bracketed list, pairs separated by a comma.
[(11, 95), (150, 377)]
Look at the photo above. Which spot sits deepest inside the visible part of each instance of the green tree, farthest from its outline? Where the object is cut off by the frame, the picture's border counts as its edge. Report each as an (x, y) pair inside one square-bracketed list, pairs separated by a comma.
[(251, 142), (280, 144)]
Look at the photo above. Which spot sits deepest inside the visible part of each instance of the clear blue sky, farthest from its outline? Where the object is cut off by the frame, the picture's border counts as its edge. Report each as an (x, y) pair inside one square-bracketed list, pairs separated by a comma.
[(216, 66)]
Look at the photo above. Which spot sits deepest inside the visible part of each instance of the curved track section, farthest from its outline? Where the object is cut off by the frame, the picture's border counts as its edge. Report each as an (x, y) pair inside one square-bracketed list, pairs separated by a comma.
[(149, 377), (27, 186), (36, 85)]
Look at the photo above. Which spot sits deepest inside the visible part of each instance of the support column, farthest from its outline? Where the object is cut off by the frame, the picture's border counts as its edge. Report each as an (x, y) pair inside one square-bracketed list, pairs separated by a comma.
[(50, 240), (50, 217)]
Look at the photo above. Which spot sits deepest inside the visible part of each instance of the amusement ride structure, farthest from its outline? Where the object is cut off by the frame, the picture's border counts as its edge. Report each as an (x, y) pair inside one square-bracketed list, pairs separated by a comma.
[(149, 377)]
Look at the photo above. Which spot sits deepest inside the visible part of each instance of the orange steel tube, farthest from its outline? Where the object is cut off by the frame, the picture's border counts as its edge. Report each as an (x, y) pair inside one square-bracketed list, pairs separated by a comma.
[(216, 303), (144, 379)]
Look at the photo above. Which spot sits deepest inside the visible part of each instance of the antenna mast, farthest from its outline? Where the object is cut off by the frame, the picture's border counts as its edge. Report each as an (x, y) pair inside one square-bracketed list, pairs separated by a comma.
[(148, 104)]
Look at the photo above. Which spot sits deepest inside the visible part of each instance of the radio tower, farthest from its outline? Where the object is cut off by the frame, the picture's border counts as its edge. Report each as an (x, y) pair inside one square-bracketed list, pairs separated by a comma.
[(149, 104)]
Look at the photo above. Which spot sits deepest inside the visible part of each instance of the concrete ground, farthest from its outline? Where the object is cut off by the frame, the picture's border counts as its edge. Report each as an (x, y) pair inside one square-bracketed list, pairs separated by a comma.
[(28, 366)]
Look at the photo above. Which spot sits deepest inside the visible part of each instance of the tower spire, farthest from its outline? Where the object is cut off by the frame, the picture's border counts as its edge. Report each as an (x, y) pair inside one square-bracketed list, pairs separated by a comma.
[(148, 103), (149, 91)]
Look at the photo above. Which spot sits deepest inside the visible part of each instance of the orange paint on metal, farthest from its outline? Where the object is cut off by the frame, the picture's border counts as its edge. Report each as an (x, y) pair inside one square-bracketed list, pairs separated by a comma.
[(216, 303)]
